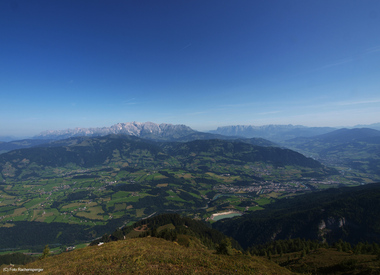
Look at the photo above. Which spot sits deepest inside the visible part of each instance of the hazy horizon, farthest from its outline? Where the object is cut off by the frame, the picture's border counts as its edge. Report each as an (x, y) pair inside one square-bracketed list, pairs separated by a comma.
[(204, 64), (12, 137)]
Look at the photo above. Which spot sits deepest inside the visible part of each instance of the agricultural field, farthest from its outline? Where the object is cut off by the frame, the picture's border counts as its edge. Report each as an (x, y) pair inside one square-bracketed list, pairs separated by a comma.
[(99, 195), (126, 180)]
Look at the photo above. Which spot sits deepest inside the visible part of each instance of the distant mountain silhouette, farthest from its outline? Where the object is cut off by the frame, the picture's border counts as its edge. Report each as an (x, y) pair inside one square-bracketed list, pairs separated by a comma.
[(345, 135), (19, 144), (272, 132)]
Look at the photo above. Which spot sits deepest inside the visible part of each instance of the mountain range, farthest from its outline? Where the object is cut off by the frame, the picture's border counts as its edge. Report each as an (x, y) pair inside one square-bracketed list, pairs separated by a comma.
[(343, 135), (272, 132), (280, 133), (166, 131), (148, 130), (172, 132)]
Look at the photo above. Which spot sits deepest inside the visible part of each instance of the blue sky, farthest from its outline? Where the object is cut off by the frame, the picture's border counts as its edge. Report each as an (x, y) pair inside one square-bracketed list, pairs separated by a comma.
[(67, 64)]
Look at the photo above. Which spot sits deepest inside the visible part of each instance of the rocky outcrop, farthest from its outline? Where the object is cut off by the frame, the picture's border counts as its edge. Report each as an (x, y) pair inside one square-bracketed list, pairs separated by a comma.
[(329, 226)]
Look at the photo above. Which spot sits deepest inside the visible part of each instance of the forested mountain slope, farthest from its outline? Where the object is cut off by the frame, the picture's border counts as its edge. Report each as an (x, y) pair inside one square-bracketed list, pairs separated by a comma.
[(349, 213), (88, 152), (355, 151)]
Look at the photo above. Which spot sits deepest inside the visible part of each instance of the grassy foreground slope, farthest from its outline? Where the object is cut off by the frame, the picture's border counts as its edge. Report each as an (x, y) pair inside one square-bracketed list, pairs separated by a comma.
[(152, 256)]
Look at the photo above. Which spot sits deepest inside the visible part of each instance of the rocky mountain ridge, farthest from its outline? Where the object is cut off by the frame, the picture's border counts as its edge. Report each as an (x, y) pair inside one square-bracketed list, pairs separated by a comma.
[(139, 129)]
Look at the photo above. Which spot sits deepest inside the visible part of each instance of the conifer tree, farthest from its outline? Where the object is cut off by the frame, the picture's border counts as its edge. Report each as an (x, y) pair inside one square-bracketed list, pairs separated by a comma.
[(224, 247), (45, 253)]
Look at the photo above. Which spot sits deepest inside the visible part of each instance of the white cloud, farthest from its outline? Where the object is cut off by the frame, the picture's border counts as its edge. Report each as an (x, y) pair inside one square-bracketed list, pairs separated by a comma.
[(189, 45), (346, 103), (337, 63), (270, 113), (129, 102), (197, 113), (372, 50)]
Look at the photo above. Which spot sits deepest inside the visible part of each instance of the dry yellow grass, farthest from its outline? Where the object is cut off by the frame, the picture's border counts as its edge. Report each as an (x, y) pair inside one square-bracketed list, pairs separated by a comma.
[(8, 225), (92, 213), (19, 211), (43, 217), (162, 185), (186, 176), (152, 256), (74, 204), (139, 212), (120, 206)]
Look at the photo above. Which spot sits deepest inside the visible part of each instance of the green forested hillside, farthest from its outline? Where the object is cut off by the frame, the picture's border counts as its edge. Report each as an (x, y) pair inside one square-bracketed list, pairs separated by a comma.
[(355, 152), (116, 150), (171, 227), (239, 152), (350, 214)]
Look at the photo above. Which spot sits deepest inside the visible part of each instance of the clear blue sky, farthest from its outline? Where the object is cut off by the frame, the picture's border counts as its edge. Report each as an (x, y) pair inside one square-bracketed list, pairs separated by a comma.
[(88, 63)]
